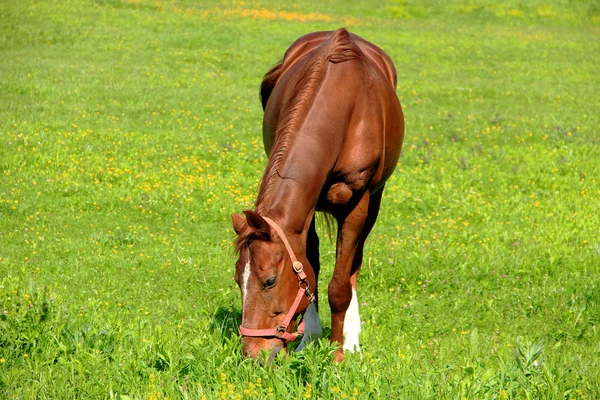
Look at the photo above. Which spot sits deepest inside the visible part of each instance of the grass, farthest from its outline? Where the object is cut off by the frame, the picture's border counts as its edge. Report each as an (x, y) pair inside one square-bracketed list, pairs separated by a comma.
[(130, 131)]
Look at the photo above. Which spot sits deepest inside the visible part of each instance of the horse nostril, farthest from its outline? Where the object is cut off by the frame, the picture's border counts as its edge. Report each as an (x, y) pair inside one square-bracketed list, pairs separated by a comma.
[(245, 352)]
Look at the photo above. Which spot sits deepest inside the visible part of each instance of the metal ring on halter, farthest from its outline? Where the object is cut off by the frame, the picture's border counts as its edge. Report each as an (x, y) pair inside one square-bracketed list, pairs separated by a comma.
[(304, 281), (280, 331)]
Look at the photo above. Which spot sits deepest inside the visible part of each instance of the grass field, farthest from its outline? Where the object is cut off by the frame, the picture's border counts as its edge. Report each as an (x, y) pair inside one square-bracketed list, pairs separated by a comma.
[(130, 130)]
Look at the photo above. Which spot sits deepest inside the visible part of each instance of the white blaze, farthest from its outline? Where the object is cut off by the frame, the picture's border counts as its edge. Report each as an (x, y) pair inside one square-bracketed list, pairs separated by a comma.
[(352, 325), (245, 277)]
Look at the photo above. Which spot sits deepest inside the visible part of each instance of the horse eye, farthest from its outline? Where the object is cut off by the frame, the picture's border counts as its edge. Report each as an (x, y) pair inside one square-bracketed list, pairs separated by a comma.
[(269, 283)]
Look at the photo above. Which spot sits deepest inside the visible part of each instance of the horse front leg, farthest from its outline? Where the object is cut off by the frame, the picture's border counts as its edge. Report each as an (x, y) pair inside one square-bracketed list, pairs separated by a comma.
[(340, 287), (312, 324), (352, 324)]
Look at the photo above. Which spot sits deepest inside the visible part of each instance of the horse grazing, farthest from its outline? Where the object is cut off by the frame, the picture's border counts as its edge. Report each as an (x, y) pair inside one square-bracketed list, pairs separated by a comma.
[(333, 130)]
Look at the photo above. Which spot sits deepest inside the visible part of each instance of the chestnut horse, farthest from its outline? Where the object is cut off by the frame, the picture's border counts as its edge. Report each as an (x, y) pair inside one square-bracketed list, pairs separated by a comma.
[(333, 129)]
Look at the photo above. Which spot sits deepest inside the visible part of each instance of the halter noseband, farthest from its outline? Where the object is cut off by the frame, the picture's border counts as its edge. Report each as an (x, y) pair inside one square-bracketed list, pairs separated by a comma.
[(303, 290)]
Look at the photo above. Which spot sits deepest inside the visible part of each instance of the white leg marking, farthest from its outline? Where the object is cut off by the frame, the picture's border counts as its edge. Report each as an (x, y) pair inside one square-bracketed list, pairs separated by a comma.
[(352, 325), (245, 277), (312, 326)]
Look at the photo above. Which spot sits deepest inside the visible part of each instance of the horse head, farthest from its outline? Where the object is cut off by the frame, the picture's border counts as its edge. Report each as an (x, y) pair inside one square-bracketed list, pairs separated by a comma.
[(274, 286)]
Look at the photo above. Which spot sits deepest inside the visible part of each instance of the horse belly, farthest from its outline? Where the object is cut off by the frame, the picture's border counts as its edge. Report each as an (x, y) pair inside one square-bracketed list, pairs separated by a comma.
[(346, 187), (338, 194)]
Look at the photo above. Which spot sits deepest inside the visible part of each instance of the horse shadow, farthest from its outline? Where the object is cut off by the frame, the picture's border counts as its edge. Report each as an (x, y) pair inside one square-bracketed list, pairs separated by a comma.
[(226, 322)]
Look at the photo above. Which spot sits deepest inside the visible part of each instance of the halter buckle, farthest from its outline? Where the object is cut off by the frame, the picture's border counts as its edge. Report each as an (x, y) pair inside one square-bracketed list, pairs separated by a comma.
[(297, 267)]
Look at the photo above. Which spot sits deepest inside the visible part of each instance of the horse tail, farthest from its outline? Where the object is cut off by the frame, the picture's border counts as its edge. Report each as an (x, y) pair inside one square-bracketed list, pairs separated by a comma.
[(268, 83), (343, 48)]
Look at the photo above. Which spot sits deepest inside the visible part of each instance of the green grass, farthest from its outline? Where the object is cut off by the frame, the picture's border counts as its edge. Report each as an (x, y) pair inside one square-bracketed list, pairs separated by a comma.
[(131, 130)]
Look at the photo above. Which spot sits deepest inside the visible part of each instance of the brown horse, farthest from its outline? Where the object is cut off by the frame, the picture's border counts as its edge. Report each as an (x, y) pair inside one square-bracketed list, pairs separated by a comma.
[(333, 129)]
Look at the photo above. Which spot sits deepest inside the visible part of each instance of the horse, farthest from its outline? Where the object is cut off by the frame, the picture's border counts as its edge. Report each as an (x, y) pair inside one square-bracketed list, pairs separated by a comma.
[(332, 130)]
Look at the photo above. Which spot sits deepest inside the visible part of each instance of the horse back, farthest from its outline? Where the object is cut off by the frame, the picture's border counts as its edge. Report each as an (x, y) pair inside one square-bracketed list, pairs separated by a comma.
[(307, 44)]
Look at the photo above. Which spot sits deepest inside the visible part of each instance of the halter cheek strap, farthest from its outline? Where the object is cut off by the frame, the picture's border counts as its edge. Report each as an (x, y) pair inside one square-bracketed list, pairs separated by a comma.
[(303, 290)]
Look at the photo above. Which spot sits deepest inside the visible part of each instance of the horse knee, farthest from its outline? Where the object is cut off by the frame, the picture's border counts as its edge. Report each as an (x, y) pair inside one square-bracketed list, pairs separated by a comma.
[(340, 294)]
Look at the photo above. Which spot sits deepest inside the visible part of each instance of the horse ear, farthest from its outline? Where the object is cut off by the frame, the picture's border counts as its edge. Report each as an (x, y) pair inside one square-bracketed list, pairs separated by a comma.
[(259, 226), (238, 221)]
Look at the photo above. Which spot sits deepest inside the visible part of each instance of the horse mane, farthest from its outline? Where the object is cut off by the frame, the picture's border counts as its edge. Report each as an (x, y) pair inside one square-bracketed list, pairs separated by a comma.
[(339, 48)]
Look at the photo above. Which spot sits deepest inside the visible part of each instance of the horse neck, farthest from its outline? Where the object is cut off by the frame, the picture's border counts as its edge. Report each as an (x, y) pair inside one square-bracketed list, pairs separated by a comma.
[(305, 149), (290, 204)]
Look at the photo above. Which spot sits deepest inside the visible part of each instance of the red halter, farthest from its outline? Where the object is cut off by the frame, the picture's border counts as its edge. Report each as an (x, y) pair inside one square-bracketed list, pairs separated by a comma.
[(303, 290)]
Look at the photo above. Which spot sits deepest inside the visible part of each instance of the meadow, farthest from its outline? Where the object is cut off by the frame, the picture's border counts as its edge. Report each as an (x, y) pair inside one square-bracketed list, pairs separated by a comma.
[(130, 130)]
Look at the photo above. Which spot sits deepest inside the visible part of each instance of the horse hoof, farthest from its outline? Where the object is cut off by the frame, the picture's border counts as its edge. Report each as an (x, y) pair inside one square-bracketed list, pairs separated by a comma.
[(338, 356)]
